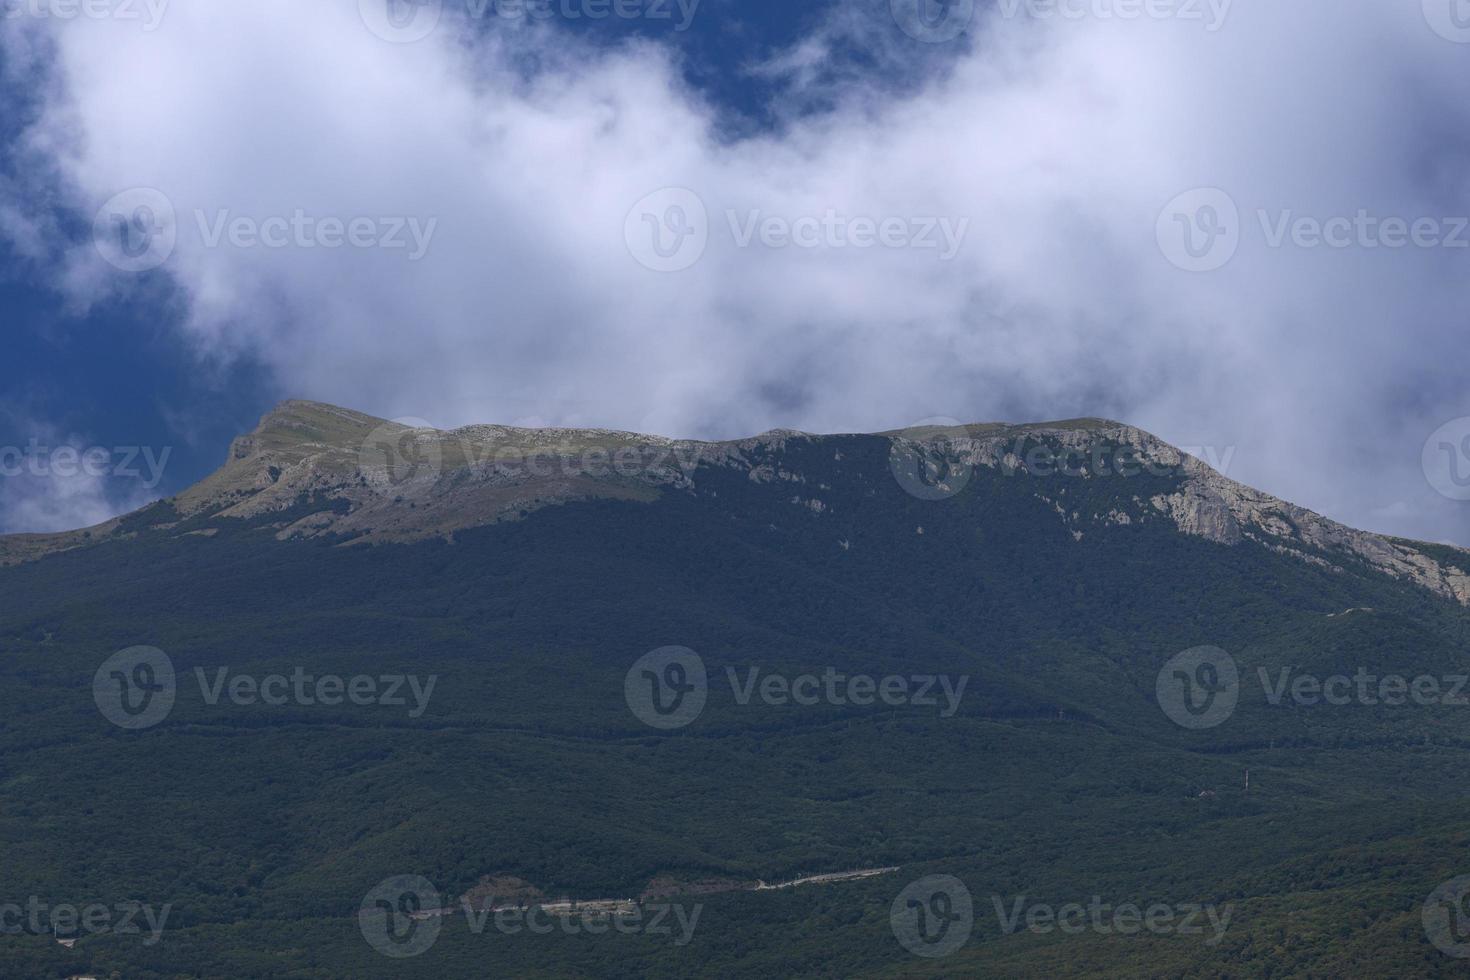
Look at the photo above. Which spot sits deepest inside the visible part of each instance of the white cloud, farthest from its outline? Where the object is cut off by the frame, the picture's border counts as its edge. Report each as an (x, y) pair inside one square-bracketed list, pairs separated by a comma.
[(60, 483), (1059, 141)]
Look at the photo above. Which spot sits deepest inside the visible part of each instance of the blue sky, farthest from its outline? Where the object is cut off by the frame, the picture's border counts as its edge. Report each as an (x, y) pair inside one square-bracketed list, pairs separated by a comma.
[(1232, 223)]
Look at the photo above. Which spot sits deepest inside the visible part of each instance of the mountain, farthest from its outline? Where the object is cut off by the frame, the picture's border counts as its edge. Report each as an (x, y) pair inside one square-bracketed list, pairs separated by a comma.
[(354, 472), (1036, 660)]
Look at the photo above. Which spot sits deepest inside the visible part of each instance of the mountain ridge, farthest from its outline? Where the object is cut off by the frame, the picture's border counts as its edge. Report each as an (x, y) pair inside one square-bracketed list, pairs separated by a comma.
[(328, 470)]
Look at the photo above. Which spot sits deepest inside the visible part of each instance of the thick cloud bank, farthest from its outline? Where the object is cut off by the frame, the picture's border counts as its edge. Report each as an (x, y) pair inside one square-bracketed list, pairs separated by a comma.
[(1082, 213)]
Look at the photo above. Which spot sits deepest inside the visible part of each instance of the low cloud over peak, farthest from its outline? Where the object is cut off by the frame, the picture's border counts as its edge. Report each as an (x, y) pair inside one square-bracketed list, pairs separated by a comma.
[(1187, 222)]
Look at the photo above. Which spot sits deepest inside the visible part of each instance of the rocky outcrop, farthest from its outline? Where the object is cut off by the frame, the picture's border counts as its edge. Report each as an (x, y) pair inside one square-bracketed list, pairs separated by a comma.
[(1211, 506), (1203, 502), (362, 476)]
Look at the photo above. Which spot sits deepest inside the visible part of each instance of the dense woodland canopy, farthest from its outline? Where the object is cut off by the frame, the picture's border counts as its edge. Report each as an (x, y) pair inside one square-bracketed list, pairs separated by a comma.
[(1059, 777)]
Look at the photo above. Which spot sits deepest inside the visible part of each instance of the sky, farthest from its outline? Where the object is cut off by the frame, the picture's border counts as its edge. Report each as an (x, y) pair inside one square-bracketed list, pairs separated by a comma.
[(1238, 224)]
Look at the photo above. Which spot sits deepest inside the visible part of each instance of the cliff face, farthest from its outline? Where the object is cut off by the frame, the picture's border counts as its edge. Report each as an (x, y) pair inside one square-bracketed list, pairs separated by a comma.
[(1222, 510), (1205, 503), (310, 470)]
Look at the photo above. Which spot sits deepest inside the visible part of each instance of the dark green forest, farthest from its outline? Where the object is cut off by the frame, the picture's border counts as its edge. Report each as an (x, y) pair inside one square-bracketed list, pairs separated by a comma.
[(1059, 777)]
